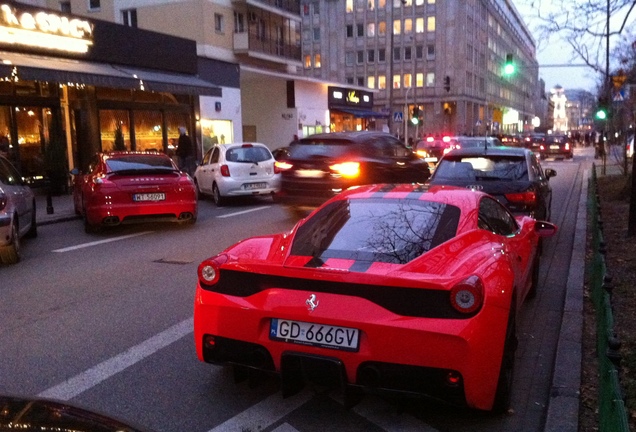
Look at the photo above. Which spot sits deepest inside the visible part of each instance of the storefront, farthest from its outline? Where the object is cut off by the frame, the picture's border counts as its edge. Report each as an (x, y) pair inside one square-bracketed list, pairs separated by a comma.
[(70, 87), (352, 110)]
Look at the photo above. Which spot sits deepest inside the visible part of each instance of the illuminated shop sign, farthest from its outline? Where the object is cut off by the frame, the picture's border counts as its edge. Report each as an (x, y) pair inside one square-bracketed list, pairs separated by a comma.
[(44, 30), (350, 98)]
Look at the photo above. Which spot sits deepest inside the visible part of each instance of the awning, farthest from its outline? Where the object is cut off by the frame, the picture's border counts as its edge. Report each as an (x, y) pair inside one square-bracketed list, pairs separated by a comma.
[(69, 71), (362, 113)]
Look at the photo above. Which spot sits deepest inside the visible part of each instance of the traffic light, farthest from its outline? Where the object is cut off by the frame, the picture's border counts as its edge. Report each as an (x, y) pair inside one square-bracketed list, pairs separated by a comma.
[(509, 66), (447, 83), (415, 115), (601, 114)]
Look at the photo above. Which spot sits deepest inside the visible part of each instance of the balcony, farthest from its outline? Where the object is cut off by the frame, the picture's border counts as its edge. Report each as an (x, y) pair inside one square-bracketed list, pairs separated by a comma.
[(252, 45), (291, 7)]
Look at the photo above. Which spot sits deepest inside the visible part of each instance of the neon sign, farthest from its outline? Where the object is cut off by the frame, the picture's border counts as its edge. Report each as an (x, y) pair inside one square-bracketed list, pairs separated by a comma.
[(44, 30)]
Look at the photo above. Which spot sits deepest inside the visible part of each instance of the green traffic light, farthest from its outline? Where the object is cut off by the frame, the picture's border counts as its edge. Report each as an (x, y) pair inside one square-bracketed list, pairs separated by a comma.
[(601, 114), (509, 69), (415, 120)]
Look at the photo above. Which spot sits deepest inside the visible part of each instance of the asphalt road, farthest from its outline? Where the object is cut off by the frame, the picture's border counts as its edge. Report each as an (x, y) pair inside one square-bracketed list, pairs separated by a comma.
[(105, 321)]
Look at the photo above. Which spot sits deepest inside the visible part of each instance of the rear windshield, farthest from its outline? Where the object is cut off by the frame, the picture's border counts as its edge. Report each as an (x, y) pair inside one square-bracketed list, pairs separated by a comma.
[(139, 163), (513, 168), (320, 147), (248, 154), (376, 230)]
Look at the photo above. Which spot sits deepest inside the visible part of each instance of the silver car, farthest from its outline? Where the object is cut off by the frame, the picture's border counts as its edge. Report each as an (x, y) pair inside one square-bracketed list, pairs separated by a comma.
[(239, 169), (17, 212)]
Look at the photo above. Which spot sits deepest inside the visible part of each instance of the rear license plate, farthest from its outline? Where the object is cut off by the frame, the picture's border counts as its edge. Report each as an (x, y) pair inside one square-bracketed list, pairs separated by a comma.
[(149, 197), (309, 173), (251, 186), (554, 147), (321, 335)]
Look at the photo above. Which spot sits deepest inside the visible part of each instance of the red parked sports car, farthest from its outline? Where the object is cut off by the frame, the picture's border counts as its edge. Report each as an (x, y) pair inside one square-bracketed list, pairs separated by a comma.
[(127, 187), (383, 288)]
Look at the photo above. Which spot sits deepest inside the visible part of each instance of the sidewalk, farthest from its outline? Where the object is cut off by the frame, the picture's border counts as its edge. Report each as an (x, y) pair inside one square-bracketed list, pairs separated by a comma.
[(61, 208)]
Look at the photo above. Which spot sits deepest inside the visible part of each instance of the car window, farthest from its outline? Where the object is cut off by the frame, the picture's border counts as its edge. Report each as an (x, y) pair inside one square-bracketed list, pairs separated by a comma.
[(485, 167), (206, 157), (316, 147), (248, 154), (138, 163), (215, 155), (494, 217), (8, 174), (376, 230), (536, 169)]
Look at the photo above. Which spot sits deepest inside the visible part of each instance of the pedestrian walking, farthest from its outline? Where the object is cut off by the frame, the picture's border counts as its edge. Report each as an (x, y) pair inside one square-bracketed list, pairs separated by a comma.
[(185, 151)]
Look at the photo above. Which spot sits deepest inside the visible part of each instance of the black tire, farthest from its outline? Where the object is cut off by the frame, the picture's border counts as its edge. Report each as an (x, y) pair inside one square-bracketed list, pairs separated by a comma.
[(535, 277), (503, 395), (33, 230), (10, 254), (217, 197)]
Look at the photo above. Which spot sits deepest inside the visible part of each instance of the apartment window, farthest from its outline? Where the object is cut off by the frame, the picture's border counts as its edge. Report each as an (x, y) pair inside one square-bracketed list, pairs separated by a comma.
[(419, 25), (349, 6), (239, 22), (397, 54), (370, 56), (360, 29), (381, 55), (306, 10), (371, 82), (397, 27), (361, 81), (430, 1), (381, 4), (129, 17), (371, 5), (397, 81), (430, 79), (349, 30), (317, 63), (469, 53), (65, 6), (218, 23), (316, 7), (370, 29), (349, 58), (407, 53), (360, 57), (381, 28), (419, 79), (419, 2), (408, 80), (430, 24), (419, 52), (317, 34), (349, 80), (408, 26), (430, 52), (360, 4), (307, 61), (94, 4), (382, 82)]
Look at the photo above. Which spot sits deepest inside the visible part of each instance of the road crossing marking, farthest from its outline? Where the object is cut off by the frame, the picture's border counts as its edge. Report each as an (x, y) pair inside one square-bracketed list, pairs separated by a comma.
[(96, 243), (243, 212), (95, 375)]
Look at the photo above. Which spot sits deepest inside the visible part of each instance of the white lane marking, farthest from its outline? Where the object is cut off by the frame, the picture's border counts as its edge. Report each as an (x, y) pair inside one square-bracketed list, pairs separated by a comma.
[(285, 427), (95, 375), (243, 212), (265, 413), (95, 243)]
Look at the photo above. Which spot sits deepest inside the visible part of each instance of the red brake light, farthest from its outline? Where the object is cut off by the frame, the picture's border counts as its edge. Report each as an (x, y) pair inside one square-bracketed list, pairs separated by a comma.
[(446, 139), (526, 198), (567, 146), (346, 169), (468, 295), (430, 139), (209, 270), (542, 147), (247, 145), (281, 166), (225, 170)]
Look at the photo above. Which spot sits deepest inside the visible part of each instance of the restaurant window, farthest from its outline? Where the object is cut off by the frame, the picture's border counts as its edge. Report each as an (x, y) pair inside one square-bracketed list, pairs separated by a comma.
[(111, 123), (175, 120), (129, 17), (215, 132), (148, 131), (32, 136), (94, 4)]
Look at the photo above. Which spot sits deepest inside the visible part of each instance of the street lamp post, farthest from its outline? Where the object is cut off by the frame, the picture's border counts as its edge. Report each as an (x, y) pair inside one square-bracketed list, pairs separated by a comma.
[(406, 113)]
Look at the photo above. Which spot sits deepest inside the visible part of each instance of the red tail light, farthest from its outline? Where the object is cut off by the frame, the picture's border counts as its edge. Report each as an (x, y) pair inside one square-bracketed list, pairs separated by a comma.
[(542, 147), (281, 166), (526, 198), (567, 146), (468, 295), (225, 170), (209, 270), (346, 169), (446, 139)]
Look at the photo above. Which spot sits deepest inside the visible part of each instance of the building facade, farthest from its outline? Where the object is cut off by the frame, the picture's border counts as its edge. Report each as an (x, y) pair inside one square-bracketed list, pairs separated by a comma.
[(443, 57)]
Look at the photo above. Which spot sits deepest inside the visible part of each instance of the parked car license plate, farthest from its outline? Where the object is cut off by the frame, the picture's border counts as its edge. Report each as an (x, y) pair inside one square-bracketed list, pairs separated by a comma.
[(322, 335), (250, 186), (554, 147), (149, 197), (309, 173)]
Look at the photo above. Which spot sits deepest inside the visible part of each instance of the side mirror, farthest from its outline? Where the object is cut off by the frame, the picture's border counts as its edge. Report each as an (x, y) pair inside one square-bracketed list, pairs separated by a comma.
[(545, 229), (549, 173)]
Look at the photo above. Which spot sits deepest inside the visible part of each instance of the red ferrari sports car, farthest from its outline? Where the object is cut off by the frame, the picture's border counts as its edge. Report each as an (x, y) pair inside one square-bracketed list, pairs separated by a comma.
[(384, 288), (127, 187)]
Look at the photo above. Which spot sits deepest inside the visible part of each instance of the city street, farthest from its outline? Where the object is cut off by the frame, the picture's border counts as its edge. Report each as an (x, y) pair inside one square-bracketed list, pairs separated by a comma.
[(104, 321)]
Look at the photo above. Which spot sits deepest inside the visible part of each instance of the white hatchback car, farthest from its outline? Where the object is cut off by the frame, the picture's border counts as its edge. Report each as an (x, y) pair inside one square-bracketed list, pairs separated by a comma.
[(17, 212), (238, 169)]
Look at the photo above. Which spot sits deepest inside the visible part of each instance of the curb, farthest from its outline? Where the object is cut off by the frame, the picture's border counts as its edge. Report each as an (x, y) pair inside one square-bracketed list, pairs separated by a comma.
[(563, 405), (58, 219)]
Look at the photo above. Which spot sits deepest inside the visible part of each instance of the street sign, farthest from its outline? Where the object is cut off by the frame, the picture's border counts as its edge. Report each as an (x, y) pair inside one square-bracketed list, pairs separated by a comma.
[(619, 96), (398, 117)]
